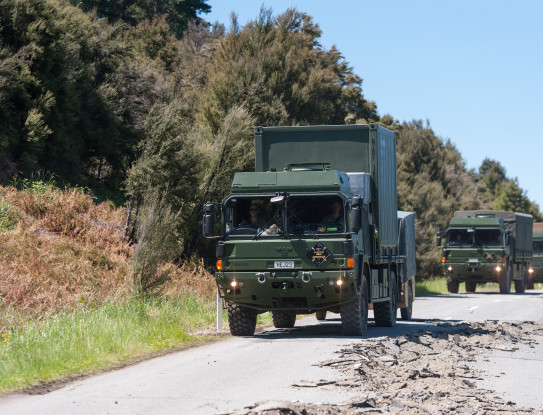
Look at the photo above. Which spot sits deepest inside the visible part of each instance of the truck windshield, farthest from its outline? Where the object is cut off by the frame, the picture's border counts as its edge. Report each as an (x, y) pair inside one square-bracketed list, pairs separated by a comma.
[(488, 237), (538, 247), (459, 237), (315, 215), (247, 216)]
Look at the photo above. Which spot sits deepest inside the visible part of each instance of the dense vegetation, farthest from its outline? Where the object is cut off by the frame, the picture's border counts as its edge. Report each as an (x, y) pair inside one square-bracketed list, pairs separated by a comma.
[(151, 105)]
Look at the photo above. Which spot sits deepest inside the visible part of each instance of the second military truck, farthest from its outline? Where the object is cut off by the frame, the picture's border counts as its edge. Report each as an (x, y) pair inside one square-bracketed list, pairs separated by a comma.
[(315, 229), (536, 272), (487, 246)]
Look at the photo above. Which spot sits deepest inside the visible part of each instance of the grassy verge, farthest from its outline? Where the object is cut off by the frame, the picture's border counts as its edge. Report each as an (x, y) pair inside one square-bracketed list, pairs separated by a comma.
[(436, 286), (82, 341)]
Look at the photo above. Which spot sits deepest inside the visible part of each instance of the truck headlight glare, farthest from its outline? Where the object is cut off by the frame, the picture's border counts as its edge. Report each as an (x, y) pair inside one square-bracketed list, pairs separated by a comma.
[(234, 283), (449, 268), (498, 268), (339, 282)]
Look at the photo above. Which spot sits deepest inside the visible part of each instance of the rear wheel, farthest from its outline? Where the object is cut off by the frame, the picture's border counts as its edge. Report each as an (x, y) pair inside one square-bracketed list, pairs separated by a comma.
[(385, 311), (520, 285), (242, 320), (320, 314), (407, 312), (354, 315), (505, 280), (471, 286), (452, 286), (283, 319)]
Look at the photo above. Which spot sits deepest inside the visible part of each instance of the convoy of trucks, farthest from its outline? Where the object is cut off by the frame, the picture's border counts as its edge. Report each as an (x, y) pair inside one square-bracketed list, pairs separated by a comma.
[(536, 272), (487, 246), (315, 229)]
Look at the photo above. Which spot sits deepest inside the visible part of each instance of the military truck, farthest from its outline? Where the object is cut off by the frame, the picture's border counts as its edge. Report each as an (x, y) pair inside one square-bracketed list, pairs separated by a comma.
[(487, 246), (536, 271), (315, 229)]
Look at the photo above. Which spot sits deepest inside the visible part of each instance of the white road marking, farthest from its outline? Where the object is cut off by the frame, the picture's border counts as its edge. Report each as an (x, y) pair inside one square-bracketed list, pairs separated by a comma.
[(473, 308)]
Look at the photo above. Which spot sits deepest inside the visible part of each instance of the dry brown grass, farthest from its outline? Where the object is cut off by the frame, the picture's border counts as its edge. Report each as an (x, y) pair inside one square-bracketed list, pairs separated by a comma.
[(68, 252)]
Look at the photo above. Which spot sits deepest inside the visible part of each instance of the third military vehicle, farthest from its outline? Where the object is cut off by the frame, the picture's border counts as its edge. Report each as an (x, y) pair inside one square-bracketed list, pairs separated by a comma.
[(487, 246), (536, 274), (315, 229)]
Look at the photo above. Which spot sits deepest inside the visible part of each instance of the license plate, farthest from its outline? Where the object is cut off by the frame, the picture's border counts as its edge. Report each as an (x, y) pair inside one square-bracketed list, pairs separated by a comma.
[(283, 264)]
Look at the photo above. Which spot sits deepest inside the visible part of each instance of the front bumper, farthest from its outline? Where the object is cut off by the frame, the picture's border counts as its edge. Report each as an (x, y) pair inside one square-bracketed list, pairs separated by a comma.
[(474, 271), (296, 290)]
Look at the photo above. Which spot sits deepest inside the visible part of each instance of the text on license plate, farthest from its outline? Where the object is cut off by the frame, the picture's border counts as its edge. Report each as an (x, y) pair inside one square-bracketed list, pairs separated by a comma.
[(283, 264)]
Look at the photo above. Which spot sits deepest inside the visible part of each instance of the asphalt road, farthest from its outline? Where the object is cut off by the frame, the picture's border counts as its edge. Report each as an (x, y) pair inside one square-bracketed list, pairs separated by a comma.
[(238, 372)]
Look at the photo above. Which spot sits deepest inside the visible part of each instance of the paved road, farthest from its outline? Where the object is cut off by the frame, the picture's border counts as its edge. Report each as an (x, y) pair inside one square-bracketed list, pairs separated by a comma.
[(241, 371)]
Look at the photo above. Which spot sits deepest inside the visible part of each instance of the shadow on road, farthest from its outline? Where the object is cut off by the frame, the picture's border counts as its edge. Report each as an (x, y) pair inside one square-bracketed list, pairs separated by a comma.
[(331, 328)]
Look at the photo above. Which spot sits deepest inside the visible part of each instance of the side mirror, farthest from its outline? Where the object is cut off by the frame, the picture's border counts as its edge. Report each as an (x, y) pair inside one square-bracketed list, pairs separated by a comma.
[(438, 239), (507, 237), (208, 223), (356, 219)]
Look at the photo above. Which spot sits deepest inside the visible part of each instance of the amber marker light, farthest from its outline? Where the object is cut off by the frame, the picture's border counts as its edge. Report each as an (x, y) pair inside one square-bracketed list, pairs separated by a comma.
[(443, 259), (350, 262), (219, 265)]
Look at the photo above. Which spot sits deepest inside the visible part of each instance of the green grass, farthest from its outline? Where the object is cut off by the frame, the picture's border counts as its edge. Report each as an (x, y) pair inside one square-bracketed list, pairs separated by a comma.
[(437, 286), (85, 340)]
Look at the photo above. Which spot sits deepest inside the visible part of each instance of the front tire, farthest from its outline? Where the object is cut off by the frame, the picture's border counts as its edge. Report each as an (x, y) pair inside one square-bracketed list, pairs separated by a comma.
[(321, 315), (520, 285), (283, 319), (242, 320), (471, 286), (505, 281), (452, 286), (354, 315), (385, 312)]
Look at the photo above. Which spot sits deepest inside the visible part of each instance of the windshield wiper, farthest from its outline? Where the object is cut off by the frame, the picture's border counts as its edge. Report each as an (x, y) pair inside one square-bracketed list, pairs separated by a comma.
[(306, 228), (273, 220)]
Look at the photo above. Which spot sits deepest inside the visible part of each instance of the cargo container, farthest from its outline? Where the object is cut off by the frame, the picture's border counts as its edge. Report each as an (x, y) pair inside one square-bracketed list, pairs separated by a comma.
[(536, 271)]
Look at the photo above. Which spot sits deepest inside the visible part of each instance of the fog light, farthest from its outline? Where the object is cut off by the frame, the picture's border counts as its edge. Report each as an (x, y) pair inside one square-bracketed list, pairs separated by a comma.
[(241, 284), (234, 283), (339, 282), (331, 283), (531, 270), (449, 269), (498, 268)]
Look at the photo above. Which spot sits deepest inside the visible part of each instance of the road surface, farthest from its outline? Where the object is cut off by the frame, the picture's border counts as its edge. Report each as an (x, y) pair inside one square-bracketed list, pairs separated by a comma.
[(239, 372)]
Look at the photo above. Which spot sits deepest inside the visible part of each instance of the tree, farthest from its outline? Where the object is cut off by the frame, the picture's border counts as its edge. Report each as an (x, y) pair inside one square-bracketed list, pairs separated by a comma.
[(179, 12)]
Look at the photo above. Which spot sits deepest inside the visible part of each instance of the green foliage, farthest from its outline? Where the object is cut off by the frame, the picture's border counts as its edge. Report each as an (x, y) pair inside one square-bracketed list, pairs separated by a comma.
[(9, 216), (156, 244), (276, 68), (82, 341), (179, 13)]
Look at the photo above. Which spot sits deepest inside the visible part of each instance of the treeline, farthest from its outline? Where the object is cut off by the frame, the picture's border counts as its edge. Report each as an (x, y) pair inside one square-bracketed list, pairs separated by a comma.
[(147, 100)]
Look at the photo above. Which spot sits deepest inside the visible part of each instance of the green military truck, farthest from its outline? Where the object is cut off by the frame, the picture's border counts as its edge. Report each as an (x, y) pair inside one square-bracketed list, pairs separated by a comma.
[(487, 246), (315, 229), (536, 271)]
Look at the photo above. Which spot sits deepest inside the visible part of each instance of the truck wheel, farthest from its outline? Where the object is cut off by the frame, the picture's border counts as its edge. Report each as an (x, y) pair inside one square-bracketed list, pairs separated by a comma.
[(242, 320), (505, 281), (471, 286), (520, 285), (354, 315), (385, 311), (320, 314), (283, 319), (407, 312), (452, 286)]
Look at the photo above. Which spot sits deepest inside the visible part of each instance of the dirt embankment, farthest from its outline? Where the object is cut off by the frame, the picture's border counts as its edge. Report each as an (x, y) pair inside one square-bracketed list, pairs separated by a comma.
[(427, 372)]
